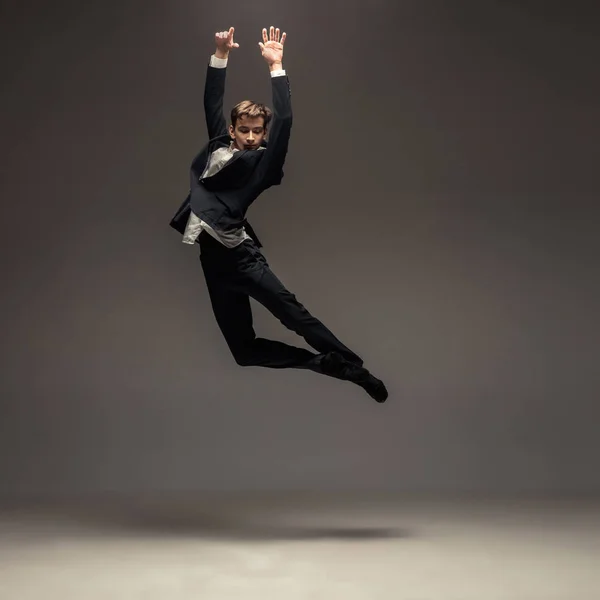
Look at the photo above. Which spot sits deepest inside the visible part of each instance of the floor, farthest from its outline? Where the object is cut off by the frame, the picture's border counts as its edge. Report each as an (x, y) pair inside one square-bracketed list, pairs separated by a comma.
[(300, 546)]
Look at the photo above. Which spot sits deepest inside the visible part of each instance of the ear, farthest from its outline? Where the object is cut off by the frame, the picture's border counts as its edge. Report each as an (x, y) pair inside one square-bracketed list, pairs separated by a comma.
[(232, 132)]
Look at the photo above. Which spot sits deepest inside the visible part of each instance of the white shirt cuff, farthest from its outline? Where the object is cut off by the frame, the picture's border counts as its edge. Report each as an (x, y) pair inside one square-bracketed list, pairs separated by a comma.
[(278, 73), (218, 63)]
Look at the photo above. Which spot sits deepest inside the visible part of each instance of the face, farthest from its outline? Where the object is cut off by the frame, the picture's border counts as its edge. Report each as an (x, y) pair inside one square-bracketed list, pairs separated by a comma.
[(248, 133)]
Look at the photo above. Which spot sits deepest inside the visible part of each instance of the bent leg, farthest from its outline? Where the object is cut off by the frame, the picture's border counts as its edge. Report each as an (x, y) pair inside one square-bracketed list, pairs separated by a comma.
[(233, 313)]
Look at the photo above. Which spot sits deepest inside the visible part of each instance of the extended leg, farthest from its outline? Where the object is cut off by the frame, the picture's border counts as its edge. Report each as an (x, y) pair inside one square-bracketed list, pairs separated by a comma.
[(266, 288), (335, 359)]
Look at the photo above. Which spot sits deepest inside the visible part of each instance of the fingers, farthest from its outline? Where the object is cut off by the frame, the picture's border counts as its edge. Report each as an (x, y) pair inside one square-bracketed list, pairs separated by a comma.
[(274, 35), (225, 38), (225, 34)]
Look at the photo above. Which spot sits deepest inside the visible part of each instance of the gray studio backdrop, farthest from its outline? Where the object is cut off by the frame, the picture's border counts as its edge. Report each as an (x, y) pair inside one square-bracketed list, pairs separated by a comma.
[(467, 131)]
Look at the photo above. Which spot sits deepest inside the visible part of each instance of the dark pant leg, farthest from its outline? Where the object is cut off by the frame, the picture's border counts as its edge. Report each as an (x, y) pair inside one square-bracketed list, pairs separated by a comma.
[(233, 313), (262, 284)]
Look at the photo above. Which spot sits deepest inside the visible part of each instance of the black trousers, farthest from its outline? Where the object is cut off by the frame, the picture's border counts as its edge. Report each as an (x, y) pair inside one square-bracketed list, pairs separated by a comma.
[(233, 276)]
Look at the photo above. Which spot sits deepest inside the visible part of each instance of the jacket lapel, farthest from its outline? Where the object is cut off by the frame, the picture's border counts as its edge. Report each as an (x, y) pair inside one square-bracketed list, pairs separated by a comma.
[(201, 160)]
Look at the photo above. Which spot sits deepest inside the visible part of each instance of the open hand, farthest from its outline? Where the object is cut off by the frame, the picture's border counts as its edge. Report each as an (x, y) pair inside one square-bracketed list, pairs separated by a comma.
[(224, 41), (272, 47)]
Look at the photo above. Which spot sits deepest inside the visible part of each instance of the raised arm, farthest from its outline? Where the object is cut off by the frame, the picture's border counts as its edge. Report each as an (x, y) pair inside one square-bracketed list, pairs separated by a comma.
[(214, 88), (272, 162)]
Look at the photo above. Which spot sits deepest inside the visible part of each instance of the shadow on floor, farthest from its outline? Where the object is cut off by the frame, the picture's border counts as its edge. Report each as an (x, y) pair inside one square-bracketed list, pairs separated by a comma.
[(223, 526), (214, 523)]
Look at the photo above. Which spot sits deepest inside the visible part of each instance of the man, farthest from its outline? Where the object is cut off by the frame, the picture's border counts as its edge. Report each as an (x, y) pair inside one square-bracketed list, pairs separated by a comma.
[(231, 171)]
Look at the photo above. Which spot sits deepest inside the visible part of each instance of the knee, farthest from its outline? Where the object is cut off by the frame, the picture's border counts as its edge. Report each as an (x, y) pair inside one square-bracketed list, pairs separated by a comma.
[(243, 360), (243, 357)]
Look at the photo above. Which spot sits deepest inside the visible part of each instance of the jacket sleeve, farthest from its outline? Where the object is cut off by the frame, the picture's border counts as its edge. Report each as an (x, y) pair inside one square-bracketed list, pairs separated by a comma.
[(271, 164), (214, 92)]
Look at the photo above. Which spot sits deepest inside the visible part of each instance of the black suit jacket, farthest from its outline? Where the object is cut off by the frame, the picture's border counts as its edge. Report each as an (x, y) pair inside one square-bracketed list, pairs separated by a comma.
[(223, 199)]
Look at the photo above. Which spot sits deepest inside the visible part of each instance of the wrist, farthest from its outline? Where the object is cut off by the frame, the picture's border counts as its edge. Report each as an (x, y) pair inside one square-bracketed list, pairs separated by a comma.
[(221, 53), (277, 66)]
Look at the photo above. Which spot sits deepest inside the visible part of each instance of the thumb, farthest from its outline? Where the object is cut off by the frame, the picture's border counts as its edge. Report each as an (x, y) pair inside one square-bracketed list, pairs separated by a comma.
[(236, 45)]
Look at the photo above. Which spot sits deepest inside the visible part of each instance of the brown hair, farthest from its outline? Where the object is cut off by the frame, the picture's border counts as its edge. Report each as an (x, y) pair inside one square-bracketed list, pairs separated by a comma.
[(252, 110)]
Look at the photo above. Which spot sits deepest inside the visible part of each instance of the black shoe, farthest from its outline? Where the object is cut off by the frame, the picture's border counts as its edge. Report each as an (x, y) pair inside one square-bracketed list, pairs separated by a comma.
[(375, 388), (336, 365)]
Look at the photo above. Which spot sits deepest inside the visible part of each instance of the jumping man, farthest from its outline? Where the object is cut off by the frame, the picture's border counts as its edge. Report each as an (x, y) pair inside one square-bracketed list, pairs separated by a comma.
[(231, 171)]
